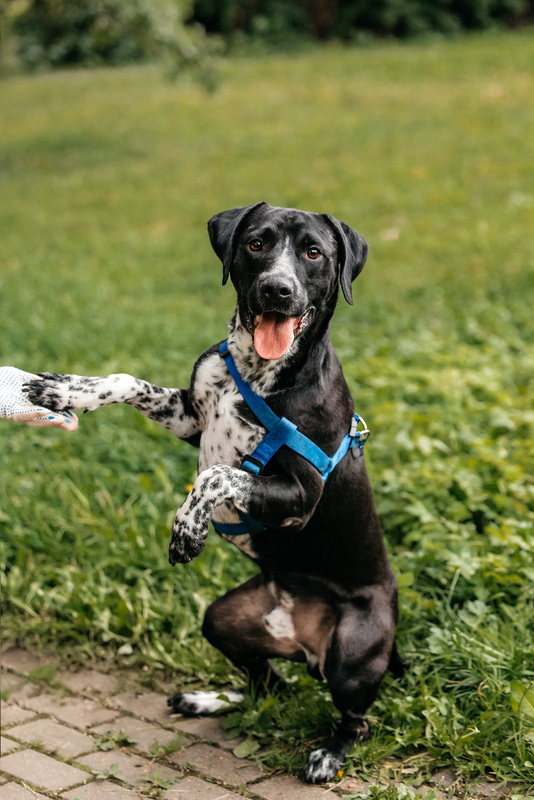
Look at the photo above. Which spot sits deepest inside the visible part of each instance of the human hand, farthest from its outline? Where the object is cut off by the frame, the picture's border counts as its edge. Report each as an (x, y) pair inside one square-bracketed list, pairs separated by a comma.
[(15, 405)]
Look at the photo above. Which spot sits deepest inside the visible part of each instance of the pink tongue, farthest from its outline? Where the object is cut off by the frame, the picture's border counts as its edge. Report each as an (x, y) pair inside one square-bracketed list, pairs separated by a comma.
[(273, 335)]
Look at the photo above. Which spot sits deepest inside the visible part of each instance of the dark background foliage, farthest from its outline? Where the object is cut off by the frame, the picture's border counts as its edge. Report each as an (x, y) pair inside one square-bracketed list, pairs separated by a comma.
[(82, 32), (93, 32), (324, 19)]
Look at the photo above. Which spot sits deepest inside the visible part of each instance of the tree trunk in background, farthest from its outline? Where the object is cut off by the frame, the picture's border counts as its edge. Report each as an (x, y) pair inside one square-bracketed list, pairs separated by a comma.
[(322, 15)]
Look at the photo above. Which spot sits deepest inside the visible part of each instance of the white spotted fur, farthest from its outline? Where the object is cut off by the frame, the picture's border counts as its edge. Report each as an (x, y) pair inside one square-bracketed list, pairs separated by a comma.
[(322, 766), (204, 703)]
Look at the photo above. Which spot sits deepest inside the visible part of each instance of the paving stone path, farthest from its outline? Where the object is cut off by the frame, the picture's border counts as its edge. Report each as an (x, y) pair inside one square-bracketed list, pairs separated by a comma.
[(91, 736)]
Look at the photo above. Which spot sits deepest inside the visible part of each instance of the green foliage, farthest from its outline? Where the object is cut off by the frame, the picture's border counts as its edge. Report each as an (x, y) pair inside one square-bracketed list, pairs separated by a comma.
[(414, 17), (46, 674), (160, 749), (522, 700), (281, 21), (158, 783), (113, 739), (277, 22), (82, 32), (95, 32), (284, 727), (111, 772), (400, 792), (106, 267)]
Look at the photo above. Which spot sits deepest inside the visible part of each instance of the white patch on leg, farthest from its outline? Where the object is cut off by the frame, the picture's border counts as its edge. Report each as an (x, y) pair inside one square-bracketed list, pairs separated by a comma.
[(322, 766), (311, 659), (279, 622), (204, 703)]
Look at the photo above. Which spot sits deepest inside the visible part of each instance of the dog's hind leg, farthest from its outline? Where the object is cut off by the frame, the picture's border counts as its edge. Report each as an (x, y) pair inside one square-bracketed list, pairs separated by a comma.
[(249, 626), (396, 665), (354, 667)]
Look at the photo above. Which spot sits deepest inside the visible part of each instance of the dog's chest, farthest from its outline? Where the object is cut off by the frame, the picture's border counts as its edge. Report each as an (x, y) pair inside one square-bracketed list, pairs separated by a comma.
[(226, 435)]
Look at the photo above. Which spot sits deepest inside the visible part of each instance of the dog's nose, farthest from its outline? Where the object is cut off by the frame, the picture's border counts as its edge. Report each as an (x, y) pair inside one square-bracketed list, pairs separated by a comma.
[(276, 287)]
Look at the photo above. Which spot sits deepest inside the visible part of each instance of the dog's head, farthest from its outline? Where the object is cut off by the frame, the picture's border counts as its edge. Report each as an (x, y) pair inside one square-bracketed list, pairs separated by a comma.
[(286, 266)]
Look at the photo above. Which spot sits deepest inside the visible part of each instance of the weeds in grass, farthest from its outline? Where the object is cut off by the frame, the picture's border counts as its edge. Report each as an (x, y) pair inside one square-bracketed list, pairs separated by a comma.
[(112, 772), (400, 792), (161, 749), (45, 674), (284, 727), (37, 744), (158, 783), (113, 739)]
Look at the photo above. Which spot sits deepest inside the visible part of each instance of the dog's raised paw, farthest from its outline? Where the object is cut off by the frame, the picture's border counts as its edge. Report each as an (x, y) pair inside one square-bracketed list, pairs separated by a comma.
[(183, 549), (200, 704), (187, 540), (49, 391), (322, 766)]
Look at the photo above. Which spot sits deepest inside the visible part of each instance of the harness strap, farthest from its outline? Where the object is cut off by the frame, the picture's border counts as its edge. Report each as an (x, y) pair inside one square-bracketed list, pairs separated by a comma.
[(247, 525), (257, 404), (281, 431)]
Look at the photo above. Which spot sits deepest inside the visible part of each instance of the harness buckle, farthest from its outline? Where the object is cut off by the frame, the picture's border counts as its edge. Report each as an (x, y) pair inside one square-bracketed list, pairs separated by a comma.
[(252, 465), (358, 437)]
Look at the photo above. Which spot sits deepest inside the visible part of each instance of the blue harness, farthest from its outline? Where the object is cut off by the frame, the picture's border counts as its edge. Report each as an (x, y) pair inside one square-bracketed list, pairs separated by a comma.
[(281, 431)]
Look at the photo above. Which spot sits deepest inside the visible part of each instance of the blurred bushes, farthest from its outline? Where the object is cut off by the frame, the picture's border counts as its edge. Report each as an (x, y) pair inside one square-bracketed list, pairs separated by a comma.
[(94, 32), (346, 19), (81, 31)]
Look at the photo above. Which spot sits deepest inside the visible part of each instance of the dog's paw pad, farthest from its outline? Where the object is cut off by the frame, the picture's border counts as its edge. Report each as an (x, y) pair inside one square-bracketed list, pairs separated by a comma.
[(183, 550), (322, 766), (199, 704), (187, 540)]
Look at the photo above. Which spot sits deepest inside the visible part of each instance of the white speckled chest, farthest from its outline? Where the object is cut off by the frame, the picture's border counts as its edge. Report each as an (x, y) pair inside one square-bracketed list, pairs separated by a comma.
[(226, 436)]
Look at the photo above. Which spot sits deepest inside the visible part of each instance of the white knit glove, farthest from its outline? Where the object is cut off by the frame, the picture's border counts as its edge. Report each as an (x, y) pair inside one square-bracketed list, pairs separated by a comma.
[(14, 403)]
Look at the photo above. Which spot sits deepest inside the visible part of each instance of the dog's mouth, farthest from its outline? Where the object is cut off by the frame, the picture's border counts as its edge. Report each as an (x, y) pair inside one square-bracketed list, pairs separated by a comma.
[(274, 333)]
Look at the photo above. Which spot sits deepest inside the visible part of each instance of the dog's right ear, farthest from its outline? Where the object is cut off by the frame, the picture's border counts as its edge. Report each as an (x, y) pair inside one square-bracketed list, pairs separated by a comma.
[(223, 229), (352, 254)]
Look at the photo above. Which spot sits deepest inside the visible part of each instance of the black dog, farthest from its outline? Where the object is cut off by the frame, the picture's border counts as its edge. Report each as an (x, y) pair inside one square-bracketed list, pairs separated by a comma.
[(325, 594)]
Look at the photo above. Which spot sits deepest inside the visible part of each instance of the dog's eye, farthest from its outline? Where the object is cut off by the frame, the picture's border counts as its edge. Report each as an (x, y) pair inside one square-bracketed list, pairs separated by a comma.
[(313, 252), (256, 244)]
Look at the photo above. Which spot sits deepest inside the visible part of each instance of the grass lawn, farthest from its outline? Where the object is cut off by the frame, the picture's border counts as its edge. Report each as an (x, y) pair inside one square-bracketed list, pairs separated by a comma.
[(108, 179)]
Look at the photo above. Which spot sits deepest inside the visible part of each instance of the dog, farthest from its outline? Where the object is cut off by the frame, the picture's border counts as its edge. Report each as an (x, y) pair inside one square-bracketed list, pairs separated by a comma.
[(325, 594)]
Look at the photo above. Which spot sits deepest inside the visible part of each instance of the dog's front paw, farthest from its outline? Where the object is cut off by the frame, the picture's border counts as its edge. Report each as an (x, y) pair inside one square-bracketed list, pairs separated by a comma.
[(322, 766), (67, 392), (49, 390), (187, 541)]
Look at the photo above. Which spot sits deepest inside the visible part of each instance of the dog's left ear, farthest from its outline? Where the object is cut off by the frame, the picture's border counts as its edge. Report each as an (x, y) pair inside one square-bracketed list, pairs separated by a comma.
[(352, 250), (223, 229)]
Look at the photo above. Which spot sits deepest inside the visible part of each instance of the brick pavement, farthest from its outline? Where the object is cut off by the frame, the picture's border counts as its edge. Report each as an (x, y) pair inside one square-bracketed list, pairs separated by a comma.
[(52, 745)]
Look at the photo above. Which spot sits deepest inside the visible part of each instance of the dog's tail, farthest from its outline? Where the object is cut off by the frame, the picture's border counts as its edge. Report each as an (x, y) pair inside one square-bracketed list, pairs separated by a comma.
[(396, 665)]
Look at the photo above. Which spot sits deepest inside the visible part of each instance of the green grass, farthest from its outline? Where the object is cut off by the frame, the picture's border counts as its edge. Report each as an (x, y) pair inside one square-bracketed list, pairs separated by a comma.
[(108, 179)]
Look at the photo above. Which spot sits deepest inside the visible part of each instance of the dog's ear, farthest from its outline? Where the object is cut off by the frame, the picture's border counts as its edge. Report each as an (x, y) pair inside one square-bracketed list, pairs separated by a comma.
[(223, 229), (352, 250)]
